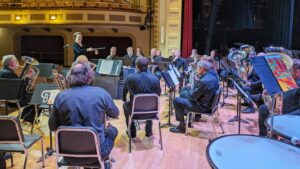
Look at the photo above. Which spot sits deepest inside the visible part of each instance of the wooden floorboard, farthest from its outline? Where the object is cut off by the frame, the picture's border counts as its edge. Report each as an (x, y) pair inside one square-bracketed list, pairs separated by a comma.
[(179, 151)]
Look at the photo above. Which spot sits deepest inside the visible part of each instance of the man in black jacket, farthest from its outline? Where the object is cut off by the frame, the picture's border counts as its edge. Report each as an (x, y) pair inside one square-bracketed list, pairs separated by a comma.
[(140, 82), (200, 99), (84, 105)]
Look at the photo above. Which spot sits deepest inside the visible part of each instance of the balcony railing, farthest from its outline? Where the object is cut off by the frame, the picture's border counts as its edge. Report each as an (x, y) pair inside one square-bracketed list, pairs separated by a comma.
[(134, 5)]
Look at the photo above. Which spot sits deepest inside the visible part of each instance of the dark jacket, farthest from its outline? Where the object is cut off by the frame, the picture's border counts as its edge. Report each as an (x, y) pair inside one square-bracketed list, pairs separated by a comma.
[(204, 91), (133, 59), (83, 106), (141, 82), (78, 50), (8, 73)]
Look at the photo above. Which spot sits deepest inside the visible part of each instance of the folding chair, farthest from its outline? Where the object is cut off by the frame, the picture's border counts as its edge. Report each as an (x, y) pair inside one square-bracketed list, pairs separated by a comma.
[(13, 140), (190, 115), (145, 107), (74, 145)]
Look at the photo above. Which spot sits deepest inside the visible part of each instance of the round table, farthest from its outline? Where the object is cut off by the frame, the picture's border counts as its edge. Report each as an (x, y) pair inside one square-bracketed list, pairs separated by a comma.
[(286, 126), (251, 152)]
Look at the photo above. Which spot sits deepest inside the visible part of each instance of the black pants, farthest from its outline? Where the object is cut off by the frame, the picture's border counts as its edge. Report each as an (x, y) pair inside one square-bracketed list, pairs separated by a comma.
[(263, 115), (183, 106), (127, 112)]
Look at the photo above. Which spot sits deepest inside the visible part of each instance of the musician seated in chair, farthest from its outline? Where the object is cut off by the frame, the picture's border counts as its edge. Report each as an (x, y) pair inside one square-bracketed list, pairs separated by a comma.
[(84, 105), (291, 101), (138, 83), (10, 64), (201, 97), (131, 55), (156, 58)]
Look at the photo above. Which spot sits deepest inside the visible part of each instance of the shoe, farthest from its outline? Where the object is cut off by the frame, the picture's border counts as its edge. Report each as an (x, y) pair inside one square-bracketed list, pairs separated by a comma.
[(198, 117), (177, 130), (133, 135), (190, 125), (249, 110), (107, 164), (148, 134)]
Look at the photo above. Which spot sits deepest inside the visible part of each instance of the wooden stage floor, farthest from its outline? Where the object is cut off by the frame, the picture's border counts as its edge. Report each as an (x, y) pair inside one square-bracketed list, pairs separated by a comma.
[(179, 151)]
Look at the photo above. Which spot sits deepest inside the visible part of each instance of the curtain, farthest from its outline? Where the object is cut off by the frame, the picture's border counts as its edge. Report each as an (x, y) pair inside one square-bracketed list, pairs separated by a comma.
[(187, 28)]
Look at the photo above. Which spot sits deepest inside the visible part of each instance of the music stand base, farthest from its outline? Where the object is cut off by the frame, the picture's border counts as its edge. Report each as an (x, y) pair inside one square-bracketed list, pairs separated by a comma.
[(235, 118), (167, 125)]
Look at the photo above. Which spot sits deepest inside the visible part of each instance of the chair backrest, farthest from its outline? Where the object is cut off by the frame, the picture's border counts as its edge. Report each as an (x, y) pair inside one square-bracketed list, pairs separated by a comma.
[(11, 89), (145, 104), (77, 142), (216, 100), (10, 129)]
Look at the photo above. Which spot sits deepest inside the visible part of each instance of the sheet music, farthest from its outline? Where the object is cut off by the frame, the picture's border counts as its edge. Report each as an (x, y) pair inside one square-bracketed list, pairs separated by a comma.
[(106, 66), (53, 94), (173, 77)]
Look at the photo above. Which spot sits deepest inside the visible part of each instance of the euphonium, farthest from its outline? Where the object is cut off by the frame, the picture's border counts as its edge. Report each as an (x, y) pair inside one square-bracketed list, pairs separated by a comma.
[(236, 57), (30, 72)]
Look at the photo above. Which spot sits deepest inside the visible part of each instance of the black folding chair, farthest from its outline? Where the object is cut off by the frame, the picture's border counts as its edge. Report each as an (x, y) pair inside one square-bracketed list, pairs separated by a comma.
[(13, 140), (145, 107), (77, 147), (211, 114)]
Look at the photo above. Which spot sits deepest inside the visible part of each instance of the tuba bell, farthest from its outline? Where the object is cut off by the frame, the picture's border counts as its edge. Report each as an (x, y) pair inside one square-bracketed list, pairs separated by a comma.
[(30, 71)]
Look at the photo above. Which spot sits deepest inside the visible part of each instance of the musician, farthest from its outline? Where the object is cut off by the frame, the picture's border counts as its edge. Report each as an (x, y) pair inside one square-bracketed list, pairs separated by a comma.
[(139, 52), (180, 64), (80, 48), (113, 53), (85, 105), (131, 55), (172, 55), (140, 82), (200, 99), (290, 101)]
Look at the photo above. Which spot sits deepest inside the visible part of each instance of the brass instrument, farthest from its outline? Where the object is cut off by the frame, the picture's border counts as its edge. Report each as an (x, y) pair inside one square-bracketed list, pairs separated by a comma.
[(286, 55), (30, 71), (60, 80), (236, 57), (247, 49), (275, 107)]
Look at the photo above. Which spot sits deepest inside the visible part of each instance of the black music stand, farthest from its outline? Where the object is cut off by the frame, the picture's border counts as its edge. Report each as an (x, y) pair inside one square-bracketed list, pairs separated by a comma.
[(109, 67), (225, 66), (126, 60), (40, 97), (242, 93), (45, 69), (171, 81), (11, 90)]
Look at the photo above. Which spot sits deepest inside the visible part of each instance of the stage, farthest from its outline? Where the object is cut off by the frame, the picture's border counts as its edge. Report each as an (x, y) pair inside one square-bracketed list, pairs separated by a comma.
[(179, 151)]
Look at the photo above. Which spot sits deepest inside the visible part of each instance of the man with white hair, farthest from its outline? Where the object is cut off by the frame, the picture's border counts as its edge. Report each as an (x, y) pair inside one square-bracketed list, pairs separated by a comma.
[(10, 64), (200, 99)]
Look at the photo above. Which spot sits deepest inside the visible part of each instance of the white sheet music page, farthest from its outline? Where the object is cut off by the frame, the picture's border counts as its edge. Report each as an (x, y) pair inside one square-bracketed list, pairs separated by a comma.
[(53, 94), (173, 77), (106, 67)]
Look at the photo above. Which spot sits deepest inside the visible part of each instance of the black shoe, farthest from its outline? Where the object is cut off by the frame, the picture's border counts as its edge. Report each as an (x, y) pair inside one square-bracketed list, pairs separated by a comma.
[(245, 104), (107, 164), (177, 130), (133, 135), (148, 134), (249, 110)]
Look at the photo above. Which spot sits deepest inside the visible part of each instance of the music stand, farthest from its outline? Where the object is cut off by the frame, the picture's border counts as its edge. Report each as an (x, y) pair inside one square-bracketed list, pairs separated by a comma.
[(40, 97), (275, 77), (45, 69), (225, 66), (11, 90), (126, 60), (109, 67), (242, 93), (171, 81)]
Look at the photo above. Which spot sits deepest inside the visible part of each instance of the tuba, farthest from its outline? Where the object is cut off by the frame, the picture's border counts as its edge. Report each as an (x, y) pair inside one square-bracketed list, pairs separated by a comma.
[(237, 57), (30, 71)]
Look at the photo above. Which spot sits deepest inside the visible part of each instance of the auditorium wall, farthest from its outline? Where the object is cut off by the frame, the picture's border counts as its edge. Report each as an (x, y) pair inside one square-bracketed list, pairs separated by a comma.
[(11, 36)]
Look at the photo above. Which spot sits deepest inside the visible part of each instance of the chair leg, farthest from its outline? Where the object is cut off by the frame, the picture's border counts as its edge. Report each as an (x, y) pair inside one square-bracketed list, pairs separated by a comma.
[(220, 122), (43, 157), (212, 122), (12, 160), (160, 138), (25, 161), (187, 123), (129, 134)]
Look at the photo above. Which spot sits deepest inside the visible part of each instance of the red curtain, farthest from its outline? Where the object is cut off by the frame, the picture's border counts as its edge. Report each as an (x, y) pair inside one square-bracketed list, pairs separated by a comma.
[(187, 28)]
